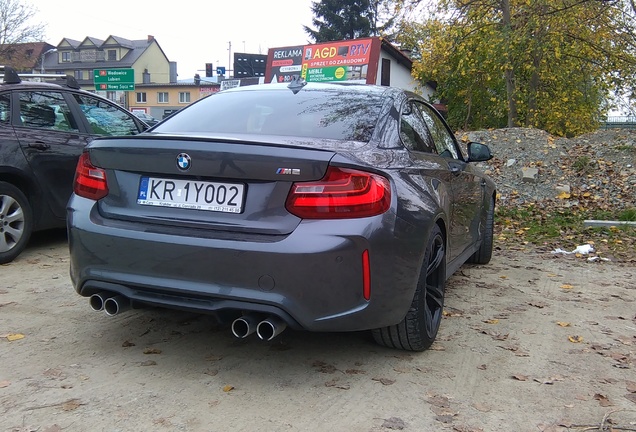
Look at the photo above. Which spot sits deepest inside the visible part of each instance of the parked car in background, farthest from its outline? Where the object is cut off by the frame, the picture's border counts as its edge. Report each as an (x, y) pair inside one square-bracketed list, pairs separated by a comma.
[(44, 128), (147, 118), (322, 207)]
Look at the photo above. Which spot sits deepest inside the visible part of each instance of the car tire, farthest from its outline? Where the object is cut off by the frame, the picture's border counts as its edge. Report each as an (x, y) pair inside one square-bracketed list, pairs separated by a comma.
[(418, 329), (484, 253), (16, 222)]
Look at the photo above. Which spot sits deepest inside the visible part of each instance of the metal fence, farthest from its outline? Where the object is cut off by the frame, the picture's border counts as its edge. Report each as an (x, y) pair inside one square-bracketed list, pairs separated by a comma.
[(619, 122)]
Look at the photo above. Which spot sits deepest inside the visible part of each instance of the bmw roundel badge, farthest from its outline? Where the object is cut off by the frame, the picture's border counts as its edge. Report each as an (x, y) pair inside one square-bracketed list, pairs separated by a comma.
[(183, 161)]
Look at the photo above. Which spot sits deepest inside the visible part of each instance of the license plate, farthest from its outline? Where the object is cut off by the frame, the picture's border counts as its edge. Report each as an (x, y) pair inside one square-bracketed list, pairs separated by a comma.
[(198, 195)]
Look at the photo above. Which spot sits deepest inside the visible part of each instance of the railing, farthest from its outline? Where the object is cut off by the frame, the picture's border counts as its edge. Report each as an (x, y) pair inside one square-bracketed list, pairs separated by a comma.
[(619, 122)]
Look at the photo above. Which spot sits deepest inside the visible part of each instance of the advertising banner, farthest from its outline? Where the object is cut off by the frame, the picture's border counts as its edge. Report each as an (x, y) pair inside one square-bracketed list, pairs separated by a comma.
[(349, 60)]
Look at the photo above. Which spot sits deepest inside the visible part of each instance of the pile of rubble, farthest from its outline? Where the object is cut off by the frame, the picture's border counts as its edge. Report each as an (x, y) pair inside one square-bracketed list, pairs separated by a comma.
[(595, 171)]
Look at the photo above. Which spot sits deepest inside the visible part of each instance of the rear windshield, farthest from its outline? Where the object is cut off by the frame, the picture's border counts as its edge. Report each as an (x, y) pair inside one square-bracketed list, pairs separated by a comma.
[(336, 114)]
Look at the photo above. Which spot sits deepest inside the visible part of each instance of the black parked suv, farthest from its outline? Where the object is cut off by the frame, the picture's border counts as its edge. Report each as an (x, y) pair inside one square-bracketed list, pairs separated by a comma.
[(44, 127)]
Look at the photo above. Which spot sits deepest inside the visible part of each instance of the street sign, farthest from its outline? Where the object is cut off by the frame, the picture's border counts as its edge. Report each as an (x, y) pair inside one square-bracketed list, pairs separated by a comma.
[(114, 79), (115, 87), (220, 70)]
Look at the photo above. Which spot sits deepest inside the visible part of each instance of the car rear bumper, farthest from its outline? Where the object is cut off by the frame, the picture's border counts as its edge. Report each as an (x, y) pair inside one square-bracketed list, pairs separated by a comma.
[(310, 279)]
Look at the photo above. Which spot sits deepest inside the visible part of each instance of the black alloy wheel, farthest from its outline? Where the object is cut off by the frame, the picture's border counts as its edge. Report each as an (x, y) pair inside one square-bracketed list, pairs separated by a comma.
[(418, 330)]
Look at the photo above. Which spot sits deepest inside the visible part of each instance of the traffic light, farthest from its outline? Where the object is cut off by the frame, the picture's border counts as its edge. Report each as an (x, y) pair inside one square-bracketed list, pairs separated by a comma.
[(208, 69)]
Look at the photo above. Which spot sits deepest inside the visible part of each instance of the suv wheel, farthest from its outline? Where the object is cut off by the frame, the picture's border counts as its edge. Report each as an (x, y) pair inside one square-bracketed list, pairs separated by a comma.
[(16, 222)]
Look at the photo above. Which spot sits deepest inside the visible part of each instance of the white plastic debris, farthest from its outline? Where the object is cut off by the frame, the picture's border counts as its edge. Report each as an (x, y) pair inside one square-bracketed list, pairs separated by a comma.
[(597, 258), (583, 250)]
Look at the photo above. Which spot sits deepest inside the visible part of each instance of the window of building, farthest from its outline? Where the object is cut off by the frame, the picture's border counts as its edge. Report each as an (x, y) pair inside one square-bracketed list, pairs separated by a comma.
[(66, 56), (78, 74), (184, 97), (141, 97), (162, 97), (112, 55), (111, 95)]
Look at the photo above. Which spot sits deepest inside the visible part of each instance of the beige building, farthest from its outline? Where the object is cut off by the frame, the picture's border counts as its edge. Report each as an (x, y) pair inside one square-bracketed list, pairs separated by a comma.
[(161, 100)]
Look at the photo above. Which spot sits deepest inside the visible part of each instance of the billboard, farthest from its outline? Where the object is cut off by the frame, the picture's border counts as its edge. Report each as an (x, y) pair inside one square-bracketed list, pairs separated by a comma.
[(354, 60)]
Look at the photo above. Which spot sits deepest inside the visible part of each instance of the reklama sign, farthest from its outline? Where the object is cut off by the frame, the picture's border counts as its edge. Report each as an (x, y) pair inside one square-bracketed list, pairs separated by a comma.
[(351, 60)]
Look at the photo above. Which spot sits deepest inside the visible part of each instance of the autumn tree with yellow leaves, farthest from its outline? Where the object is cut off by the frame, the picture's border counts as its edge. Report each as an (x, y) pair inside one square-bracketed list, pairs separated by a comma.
[(549, 64)]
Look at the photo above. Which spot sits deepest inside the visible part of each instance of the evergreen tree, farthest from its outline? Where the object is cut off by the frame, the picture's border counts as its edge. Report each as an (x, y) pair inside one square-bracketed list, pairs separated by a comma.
[(340, 19)]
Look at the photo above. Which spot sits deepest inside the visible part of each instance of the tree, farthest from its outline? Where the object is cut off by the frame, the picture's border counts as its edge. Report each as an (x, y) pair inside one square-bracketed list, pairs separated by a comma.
[(337, 20), (16, 23), (551, 64)]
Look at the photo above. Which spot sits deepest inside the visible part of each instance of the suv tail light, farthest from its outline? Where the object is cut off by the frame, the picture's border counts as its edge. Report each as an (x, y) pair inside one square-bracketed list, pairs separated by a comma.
[(90, 181), (341, 194)]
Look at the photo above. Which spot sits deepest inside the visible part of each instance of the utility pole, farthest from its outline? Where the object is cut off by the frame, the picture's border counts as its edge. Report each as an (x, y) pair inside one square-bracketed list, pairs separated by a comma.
[(229, 59)]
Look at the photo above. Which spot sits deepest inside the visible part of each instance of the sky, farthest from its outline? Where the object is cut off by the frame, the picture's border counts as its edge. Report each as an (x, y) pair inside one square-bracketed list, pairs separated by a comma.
[(191, 33)]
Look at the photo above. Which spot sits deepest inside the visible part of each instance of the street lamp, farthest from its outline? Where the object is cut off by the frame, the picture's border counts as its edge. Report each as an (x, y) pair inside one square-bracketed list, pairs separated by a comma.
[(43, 57)]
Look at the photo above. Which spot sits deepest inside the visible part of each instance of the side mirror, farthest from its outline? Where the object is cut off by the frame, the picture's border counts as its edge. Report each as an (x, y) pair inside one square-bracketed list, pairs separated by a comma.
[(478, 152)]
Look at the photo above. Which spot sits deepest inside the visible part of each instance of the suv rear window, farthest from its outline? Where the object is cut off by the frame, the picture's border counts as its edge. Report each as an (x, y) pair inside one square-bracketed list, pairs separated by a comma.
[(309, 113)]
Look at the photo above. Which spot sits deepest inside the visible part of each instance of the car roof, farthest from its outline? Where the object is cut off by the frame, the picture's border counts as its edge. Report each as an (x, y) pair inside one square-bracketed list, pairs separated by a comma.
[(13, 79), (318, 86)]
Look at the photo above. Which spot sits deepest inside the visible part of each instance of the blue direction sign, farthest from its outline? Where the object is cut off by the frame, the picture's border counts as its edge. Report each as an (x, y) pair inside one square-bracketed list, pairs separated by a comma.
[(220, 70), (114, 79)]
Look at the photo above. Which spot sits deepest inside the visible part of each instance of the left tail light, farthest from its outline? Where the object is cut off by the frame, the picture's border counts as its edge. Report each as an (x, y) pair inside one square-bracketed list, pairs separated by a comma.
[(90, 181), (341, 194)]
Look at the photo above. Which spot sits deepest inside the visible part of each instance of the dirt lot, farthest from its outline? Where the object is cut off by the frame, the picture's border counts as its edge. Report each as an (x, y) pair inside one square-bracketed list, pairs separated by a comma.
[(530, 342)]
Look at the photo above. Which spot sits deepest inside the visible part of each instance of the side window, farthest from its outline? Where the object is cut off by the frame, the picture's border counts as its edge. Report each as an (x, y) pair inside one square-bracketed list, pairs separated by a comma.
[(106, 119), (413, 130), (5, 108), (46, 110), (444, 142)]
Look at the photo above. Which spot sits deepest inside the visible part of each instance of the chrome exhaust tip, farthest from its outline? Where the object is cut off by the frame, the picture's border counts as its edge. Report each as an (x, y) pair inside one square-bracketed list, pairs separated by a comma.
[(96, 301), (270, 327), (115, 305), (244, 326)]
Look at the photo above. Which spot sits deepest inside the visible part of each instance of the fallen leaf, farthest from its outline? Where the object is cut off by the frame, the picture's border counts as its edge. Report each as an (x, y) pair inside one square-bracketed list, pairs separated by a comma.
[(213, 357), (575, 339), (566, 286), (520, 377), (228, 388), (563, 323), (445, 418), (211, 372), (149, 363), (439, 401), (385, 381), (4, 384), (602, 400), (492, 321), (336, 384), (482, 367), (631, 386), (394, 423), (324, 367), (631, 397), (152, 351), (127, 344), (481, 407), (14, 337), (71, 405)]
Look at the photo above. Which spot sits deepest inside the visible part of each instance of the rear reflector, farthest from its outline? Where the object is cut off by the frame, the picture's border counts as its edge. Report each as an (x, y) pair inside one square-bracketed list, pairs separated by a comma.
[(90, 181), (366, 275), (341, 194)]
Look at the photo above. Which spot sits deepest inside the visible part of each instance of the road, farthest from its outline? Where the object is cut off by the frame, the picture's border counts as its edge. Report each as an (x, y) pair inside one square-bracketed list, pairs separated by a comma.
[(530, 342)]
